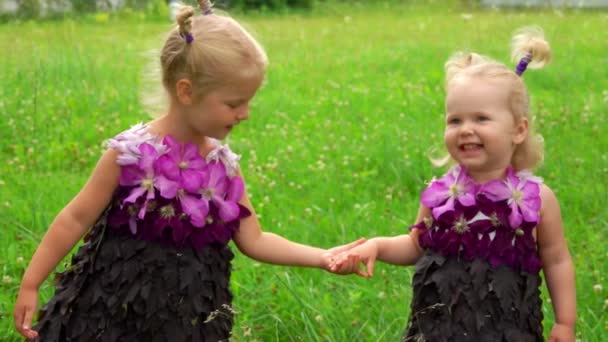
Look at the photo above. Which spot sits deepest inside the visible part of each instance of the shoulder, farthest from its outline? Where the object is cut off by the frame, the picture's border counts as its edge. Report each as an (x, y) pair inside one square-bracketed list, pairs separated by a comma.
[(548, 199), (127, 143)]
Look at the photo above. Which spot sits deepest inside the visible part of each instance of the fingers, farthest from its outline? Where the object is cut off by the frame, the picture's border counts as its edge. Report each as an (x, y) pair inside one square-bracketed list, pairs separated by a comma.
[(18, 314), (27, 323), (345, 264), (23, 320), (351, 263), (356, 243), (350, 245), (369, 265)]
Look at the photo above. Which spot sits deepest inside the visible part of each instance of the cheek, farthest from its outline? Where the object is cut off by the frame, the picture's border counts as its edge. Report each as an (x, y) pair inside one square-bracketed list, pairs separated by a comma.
[(448, 135)]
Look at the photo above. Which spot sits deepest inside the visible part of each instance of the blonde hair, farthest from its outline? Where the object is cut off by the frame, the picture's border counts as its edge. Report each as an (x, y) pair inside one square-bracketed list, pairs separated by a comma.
[(528, 41), (221, 51)]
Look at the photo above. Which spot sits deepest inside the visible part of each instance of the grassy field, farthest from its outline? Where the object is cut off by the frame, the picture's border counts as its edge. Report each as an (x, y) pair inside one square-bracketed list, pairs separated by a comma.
[(336, 146)]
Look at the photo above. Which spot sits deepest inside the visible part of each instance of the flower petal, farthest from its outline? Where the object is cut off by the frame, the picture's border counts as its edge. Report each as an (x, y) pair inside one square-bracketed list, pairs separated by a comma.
[(196, 208), (228, 210), (496, 190), (133, 225), (530, 210), (447, 207), (134, 194), (148, 156), (435, 194), (467, 199), (236, 189), (168, 167), (167, 187), (131, 175), (192, 180), (514, 216), (190, 152)]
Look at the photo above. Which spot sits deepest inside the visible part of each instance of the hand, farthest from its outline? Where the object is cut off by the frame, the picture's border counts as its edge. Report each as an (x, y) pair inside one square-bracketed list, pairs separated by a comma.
[(561, 333), (349, 261), (23, 313), (328, 258)]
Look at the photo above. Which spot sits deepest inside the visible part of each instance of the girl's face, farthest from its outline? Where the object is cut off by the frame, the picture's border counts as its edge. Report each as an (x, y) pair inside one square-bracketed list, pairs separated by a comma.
[(220, 110), (481, 133)]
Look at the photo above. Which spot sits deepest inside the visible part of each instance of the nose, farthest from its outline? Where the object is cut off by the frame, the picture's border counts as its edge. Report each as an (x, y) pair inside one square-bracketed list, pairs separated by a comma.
[(243, 113), (466, 128)]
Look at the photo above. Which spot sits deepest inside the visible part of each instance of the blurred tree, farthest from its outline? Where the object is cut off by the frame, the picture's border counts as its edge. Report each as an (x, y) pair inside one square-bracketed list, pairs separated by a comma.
[(28, 8), (84, 6)]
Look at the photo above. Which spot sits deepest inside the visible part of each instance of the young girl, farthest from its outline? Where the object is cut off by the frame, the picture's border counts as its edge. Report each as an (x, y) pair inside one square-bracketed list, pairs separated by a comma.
[(488, 226), (163, 202)]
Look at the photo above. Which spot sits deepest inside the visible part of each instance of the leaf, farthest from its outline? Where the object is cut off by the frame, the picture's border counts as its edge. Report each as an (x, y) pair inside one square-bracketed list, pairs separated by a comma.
[(505, 284)]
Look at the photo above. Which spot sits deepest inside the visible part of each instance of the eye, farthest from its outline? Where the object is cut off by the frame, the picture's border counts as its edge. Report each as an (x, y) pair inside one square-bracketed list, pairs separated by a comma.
[(482, 118), (233, 105), (453, 121)]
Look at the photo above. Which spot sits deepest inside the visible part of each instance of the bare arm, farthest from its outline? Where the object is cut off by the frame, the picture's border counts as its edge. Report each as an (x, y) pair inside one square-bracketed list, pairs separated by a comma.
[(557, 263), (271, 248), (68, 227), (398, 250), (72, 221), (402, 249)]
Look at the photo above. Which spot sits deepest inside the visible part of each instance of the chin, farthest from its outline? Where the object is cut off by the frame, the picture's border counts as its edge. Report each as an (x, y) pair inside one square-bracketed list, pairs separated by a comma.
[(218, 136)]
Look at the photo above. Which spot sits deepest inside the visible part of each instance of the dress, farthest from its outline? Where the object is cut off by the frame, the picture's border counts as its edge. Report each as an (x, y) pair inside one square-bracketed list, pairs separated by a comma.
[(156, 265), (478, 279)]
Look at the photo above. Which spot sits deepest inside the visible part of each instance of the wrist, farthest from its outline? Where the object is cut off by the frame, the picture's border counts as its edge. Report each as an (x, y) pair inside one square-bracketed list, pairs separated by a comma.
[(377, 243), (324, 258), (29, 284), (565, 324)]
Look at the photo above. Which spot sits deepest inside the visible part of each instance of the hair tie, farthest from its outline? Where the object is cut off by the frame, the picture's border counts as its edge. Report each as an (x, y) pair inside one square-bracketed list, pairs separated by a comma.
[(206, 7), (187, 36), (523, 64)]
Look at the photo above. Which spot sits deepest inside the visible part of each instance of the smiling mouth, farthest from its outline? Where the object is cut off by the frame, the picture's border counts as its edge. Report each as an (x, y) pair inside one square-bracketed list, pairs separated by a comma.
[(470, 147)]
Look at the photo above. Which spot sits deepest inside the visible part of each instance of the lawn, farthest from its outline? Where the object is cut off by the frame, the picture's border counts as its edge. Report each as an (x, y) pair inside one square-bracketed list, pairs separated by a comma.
[(336, 146)]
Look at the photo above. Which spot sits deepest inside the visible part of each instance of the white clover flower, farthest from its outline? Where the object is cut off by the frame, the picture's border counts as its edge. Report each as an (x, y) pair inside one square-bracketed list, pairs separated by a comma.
[(597, 288)]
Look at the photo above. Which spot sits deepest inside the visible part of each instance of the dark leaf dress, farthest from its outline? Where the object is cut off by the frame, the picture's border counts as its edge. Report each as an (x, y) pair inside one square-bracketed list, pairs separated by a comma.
[(478, 279), (156, 265)]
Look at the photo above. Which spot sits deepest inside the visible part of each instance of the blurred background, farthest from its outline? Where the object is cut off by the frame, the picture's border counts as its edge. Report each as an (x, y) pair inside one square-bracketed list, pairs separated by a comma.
[(337, 145)]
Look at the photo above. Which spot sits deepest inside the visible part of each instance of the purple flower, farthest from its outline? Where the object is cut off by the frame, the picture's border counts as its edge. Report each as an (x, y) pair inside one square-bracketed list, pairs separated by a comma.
[(522, 193), (454, 187), (145, 179), (224, 193), (224, 155), (197, 208), (168, 216), (460, 236), (182, 165), (128, 142)]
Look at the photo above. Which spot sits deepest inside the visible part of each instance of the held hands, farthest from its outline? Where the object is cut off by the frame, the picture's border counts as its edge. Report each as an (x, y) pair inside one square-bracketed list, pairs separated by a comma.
[(328, 258), (561, 333), (349, 261), (27, 302)]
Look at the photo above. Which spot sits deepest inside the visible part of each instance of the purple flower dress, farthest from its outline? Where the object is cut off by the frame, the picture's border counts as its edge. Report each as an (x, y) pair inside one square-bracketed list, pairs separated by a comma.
[(156, 265), (478, 279)]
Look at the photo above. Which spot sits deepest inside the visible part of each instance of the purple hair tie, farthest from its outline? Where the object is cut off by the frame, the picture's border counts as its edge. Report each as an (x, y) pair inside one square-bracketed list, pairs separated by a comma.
[(187, 36), (523, 64)]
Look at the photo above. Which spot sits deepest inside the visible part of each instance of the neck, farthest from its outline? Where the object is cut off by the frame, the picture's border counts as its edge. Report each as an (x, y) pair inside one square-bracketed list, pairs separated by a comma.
[(173, 124)]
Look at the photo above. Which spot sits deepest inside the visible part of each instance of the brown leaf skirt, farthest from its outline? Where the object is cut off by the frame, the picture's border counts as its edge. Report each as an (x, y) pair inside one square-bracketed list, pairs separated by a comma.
[(456, 300), (122, 289)]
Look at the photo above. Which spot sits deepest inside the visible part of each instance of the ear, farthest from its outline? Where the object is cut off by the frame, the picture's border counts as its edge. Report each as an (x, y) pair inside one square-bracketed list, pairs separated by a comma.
[(521, 131), (183, 91)]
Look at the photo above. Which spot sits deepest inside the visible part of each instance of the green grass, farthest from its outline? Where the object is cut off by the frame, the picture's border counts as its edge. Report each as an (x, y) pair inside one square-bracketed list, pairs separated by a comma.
[(335, 148)]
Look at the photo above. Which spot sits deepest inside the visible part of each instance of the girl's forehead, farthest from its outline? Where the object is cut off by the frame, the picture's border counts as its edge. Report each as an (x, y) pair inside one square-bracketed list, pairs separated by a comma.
[(476, 92), (242, 87)]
